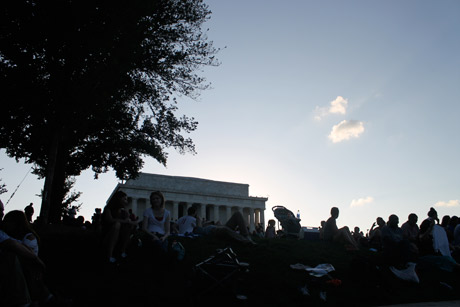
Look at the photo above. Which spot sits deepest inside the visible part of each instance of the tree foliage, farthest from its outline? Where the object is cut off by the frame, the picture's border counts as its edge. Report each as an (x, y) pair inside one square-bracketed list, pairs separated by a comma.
[(2, 185), (94, 83)]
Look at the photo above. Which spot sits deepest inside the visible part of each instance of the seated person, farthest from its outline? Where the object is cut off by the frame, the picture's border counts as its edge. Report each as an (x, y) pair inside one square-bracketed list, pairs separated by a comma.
[(451, 228), (228, 231), (116, 225), (260, 230), (187, 223), (410, 228), (21, 269), (375, 237), (321, 230), (15, 224), (396, 250), (157, 221), (359, 237), (432, 239), (333, 234)]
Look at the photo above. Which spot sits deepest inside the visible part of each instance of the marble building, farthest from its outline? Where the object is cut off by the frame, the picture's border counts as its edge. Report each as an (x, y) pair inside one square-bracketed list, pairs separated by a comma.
[(214, 200)]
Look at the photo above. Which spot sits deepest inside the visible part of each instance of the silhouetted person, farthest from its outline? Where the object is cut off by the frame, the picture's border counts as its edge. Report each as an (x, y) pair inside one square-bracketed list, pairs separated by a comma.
[(96, 219), (433, 237), (29, 211), (188, 222), (396, 250), (410, 228), (333, 234), (375, 236), (270, 232), (116, 225)]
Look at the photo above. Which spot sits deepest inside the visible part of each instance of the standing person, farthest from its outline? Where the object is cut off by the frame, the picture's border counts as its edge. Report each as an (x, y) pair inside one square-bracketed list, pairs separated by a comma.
[(116, 225), (156, 223), (270, 232), (334, 234), (96, 219), (29, 211)]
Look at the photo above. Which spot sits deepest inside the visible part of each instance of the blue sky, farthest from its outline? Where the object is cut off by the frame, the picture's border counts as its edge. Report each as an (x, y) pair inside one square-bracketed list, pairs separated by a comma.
[(317, 104)]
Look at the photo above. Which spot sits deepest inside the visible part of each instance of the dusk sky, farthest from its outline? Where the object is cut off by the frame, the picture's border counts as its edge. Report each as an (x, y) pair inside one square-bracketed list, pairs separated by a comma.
[(353, 104)]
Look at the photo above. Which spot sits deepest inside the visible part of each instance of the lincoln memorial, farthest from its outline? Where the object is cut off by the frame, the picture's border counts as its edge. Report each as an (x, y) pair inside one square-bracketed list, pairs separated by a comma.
[(214, 200)]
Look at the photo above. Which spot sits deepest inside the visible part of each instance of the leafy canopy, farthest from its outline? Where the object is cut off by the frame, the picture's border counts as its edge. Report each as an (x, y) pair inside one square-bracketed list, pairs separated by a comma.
[(99, 78)]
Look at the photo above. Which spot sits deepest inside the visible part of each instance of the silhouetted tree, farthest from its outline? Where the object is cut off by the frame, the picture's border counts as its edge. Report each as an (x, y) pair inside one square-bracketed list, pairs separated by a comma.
[(94, 84), (2, 185), (69, 199)]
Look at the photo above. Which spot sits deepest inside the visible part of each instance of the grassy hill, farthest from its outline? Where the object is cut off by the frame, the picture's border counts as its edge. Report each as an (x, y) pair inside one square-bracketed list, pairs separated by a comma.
[(76, 270)]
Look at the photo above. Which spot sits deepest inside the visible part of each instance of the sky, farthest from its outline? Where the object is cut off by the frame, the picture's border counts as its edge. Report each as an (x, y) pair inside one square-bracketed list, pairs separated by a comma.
[(316, 104)]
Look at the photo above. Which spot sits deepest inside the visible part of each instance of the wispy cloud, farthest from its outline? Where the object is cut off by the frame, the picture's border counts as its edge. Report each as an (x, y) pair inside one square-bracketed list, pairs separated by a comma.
[(337, 106), (361, 201), (346, 130), (450, 203)]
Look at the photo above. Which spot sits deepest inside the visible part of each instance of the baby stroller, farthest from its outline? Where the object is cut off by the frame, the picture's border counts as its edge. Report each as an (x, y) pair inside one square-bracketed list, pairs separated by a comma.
[(291, 224)]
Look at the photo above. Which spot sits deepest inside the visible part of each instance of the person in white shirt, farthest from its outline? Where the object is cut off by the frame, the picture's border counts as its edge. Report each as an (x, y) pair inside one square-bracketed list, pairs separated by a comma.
[(22, 269), (188, 222), (156, 223), (15, 224)]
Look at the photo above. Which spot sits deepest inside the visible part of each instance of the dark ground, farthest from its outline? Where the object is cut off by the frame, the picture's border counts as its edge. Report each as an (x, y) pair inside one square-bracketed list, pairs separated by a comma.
[(76, 270)]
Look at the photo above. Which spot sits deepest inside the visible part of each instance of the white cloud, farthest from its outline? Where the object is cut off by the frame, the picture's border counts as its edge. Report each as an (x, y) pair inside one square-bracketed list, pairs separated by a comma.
[(361, 201), (337, 106), (450, 203), (346, 130)]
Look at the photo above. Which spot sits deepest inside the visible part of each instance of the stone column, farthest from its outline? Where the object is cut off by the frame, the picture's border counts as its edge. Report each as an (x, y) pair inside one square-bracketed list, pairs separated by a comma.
[(251, 220), (262, 218), (134, 202), (203, 211), (216, 213), (257, 216), (175, 213), (229, 213)]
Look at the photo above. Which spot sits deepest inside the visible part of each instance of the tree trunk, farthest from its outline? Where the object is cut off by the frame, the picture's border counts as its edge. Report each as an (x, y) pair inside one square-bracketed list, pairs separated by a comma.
[(57, 197), (47, 188)]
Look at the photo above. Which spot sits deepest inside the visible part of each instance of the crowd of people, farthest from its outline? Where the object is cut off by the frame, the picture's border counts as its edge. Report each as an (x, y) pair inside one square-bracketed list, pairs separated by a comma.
[(433, 243)]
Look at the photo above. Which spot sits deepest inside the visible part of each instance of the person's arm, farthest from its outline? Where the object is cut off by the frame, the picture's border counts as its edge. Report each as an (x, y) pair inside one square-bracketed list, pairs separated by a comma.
[(167, 228), (21, 251), (198, 220), (371, 231), (108, 217)]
